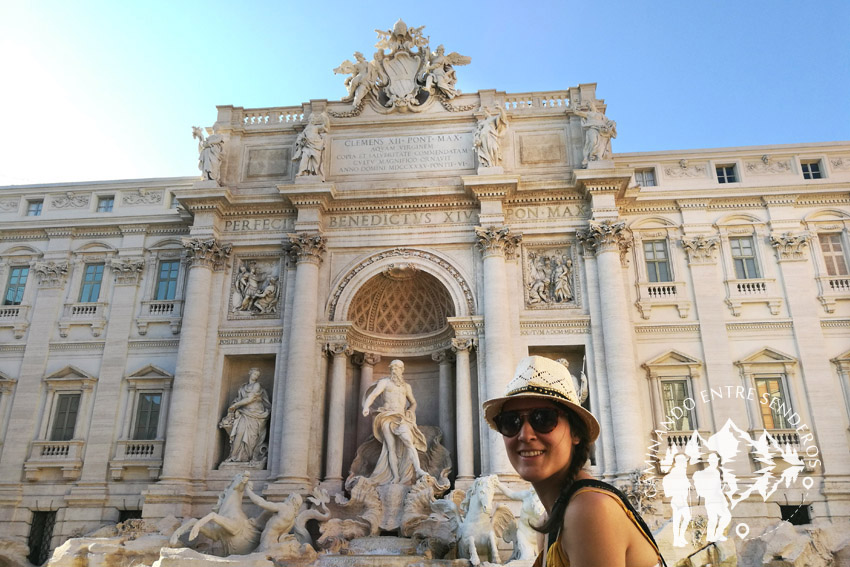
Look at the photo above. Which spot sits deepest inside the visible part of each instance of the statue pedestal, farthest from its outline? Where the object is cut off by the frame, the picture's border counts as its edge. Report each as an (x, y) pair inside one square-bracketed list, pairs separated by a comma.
[(496, 170), (234, 467), (392, 499), (601, 164)]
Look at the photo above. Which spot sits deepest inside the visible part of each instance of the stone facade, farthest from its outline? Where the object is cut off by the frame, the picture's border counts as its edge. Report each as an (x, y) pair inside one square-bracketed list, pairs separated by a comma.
[(145, 303)]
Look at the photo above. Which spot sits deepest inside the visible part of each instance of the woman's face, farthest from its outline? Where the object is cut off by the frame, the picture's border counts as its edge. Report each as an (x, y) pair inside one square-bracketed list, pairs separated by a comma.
[(537, 456)]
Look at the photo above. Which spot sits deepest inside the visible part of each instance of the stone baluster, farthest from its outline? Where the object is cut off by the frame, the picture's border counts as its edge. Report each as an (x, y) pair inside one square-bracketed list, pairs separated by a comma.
[(609, 242), (445, 397), (301, 363), (465, 423), (495, 244), (367, 362), (204, 255), (336, 415)]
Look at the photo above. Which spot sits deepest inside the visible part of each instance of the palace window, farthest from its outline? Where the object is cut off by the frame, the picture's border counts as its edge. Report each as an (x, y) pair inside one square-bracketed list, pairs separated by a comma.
[(15, 288), (147, 415), (811, 169), (92, 278), (105, 203), (34, 208), (657, 261), (65, 417), (834, 258), (673, 395), (777, 406), (726, 174), (645, 177), (744, 258), (166, 282), (41, 532)]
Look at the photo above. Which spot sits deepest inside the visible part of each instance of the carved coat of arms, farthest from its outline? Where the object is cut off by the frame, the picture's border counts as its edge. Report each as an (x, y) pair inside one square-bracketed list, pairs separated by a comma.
[(404, 73)]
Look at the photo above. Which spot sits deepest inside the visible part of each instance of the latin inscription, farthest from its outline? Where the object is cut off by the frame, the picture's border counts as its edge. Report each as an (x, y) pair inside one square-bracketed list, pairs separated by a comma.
[(258, 225), (399, 154), (542, 212), (401, 219)]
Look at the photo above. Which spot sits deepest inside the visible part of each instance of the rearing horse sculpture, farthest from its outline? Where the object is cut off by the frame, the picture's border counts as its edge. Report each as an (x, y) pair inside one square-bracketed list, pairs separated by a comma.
[(227, 523)]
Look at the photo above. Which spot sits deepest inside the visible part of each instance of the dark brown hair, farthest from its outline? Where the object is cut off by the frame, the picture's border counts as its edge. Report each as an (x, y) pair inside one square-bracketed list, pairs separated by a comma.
[(581, 452)]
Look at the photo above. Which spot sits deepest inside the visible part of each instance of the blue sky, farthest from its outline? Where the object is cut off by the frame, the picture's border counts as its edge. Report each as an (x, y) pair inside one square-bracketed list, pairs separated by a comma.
[(110, 90)]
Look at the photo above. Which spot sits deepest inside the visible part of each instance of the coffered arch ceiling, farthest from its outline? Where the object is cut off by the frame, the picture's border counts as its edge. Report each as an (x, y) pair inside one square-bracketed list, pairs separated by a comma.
[(401, 301)]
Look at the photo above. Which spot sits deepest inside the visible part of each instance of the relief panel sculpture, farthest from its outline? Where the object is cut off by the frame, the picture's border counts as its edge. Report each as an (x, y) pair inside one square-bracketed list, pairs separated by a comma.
[(255, 291), (548, 278)]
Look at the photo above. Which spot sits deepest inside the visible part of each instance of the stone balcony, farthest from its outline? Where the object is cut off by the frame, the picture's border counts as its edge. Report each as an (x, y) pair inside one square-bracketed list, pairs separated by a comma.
[(169, 311), (832, 290), (84, 315), (137, 454), (658, 294), (15, 317), (760, 290), (64, 455)]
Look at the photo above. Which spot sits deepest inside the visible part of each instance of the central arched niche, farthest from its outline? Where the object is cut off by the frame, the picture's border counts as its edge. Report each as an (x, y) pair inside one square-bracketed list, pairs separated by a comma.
[(401, 301)]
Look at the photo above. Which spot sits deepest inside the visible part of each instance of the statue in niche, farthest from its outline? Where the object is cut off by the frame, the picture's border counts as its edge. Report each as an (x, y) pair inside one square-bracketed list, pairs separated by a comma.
[(580, 384), (487, 140), (394, 425), (209, 154), (598, 132), (249, 296), (246, 420), (550, 278), (441, 75), (362, 81), (309, 146)]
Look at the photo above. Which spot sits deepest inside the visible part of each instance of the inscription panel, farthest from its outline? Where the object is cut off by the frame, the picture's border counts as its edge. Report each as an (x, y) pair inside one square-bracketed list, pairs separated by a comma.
[(400, 154)]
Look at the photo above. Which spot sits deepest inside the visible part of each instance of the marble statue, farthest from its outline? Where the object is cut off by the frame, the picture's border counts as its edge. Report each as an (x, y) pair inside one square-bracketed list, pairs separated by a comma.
[(248, 296), (246, 420), (488, 137), (579, 383), (531, 512), (363, 79), (441, 75), (478, 523), (394, 425), (266, 300), (209, 154), (309, 146), (598, 132), (549, 278), (227, 523), (281, 523)]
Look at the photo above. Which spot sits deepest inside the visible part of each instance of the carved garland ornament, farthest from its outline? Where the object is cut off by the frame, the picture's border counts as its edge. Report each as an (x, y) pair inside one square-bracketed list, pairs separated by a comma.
[(51, 274), (127, 270), (700, 248), (684, 170), (70, 200), (206, 252), (789, 246), (404, 253)]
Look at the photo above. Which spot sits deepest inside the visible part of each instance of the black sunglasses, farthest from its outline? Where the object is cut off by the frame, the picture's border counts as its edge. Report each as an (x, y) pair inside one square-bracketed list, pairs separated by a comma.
[(541, 420)]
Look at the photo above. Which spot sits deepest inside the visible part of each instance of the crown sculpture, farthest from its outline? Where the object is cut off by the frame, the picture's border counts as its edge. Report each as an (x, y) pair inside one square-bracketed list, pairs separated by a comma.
[(406, 76)]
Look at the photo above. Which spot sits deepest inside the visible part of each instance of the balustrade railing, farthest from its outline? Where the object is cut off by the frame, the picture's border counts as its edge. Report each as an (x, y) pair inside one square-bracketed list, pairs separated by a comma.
[(84, 310), (270, 116), (559, 100), (56, 450), (137, 450)]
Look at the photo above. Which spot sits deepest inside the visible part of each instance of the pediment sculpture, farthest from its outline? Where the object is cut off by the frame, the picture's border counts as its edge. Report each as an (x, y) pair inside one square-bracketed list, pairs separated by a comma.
[(404, 73)]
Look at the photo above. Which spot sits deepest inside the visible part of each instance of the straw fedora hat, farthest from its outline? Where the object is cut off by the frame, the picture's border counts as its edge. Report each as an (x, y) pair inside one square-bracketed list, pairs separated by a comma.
[(542, 378)]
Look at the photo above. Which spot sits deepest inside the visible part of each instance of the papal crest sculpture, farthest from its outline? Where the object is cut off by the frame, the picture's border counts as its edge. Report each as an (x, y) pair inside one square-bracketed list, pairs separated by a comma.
[(404, 73)]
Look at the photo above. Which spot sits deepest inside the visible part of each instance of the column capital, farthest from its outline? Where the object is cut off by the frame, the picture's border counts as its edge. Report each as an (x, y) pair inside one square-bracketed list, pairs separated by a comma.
[(127, 270), (309, 247), (604, 236), (51, 274), (701, 249), (461, 345), (338, 349), (443, 356), (367, 359), (790, 246), (206, 252), (493, 241)]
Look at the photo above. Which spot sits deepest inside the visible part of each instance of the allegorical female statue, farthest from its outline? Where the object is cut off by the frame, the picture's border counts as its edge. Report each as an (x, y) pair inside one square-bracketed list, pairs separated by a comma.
[(246, 420)]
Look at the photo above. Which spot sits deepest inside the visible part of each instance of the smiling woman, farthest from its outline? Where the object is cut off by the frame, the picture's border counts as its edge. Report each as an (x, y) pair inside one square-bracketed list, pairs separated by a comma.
[(547, 435)]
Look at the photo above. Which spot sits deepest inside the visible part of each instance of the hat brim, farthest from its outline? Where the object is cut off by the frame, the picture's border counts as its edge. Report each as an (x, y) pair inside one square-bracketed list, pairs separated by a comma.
[(493, 407)]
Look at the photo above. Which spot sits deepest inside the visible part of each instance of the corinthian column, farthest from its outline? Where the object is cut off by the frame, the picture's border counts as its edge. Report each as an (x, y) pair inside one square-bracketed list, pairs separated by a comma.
[(463, 396), (444, 395), (495, 244), (609, 242), (336, 415), (203, 255), (301, 363)]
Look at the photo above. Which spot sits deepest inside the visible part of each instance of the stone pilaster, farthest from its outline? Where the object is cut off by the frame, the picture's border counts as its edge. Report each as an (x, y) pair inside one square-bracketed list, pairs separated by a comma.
[(336, 415), (445, 397), (495, 244), (204, 255), (301, 363), (465, 425), (610, 243)]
